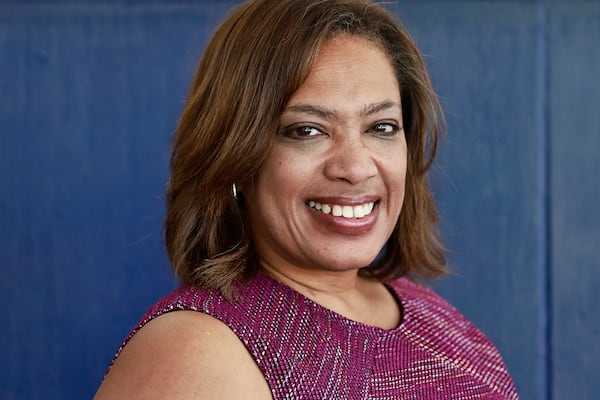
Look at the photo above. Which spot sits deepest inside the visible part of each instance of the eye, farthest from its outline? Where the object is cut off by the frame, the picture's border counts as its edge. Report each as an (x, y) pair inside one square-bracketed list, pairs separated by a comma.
[(385, 128), (300, 132)]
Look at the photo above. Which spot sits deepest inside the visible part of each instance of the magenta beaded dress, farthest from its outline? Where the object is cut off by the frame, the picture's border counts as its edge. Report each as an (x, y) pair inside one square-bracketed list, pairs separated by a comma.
[(306, 351)]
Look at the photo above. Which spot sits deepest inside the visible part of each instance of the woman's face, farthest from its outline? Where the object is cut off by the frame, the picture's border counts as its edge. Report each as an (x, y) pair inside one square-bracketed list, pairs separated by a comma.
[(330, 192)]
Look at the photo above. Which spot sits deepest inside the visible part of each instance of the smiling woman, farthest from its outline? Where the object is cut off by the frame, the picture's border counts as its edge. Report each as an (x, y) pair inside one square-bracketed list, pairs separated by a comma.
[(342, 148), (298, 283)]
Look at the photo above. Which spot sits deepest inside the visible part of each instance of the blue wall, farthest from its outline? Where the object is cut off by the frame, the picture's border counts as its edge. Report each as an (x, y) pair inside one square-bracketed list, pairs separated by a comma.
[(90, 93)]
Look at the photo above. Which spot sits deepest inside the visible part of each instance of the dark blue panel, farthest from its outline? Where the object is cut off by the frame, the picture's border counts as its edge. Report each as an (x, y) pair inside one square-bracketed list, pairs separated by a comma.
[(89, 97), (574, 117), (485, 60), (90, 93)]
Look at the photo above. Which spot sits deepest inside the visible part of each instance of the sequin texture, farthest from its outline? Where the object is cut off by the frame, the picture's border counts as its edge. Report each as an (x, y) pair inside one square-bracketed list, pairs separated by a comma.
[(306, 351)]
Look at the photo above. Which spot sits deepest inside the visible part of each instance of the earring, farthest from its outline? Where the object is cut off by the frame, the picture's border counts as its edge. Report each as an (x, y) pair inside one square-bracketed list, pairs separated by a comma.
[(234, 190)]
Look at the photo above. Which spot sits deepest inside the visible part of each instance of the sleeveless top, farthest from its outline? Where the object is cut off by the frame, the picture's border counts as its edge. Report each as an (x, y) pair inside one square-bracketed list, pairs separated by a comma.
[(306, 351)]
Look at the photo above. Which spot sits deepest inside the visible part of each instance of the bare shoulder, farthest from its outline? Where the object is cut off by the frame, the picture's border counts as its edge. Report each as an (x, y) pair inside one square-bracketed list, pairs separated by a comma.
[(183, 355)]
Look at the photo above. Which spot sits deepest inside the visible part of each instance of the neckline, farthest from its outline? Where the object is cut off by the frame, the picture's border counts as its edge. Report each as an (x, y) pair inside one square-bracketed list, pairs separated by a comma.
[(335, 315)]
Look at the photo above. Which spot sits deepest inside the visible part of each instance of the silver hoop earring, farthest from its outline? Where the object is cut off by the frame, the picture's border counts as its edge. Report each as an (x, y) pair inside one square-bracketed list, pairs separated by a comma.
[(234, 190)]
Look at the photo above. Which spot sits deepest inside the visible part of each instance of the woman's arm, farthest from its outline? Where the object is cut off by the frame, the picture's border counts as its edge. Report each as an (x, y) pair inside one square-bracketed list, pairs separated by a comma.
[(184, 355)]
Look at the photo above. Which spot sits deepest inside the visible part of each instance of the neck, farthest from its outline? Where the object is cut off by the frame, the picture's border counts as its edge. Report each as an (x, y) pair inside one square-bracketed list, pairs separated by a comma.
[(344, 292), (317, 283)]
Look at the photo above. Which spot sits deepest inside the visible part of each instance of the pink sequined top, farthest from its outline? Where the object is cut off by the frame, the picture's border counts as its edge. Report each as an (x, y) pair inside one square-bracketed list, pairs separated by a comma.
[(306, 351)]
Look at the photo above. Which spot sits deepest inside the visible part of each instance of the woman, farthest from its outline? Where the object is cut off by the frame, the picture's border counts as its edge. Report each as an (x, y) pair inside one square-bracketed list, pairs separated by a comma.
[(298, 212)]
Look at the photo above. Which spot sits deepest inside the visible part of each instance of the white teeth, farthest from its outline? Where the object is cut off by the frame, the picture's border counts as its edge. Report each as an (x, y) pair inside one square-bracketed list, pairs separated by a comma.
[(358, 212), (349, 212)]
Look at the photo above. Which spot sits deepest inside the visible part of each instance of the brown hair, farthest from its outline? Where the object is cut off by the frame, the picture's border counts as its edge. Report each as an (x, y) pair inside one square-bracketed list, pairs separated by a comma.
[(254, 63)]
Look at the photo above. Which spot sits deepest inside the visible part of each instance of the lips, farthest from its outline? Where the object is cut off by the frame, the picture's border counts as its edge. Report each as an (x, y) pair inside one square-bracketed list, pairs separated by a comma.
[(357, 211)]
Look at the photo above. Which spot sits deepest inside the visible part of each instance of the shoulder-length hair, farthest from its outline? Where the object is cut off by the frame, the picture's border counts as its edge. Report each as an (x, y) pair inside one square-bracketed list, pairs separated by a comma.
[(254, 63)]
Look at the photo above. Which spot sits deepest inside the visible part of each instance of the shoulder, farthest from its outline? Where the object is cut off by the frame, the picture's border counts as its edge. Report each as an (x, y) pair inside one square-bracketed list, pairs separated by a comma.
[(424, 309), (437, 326), (432, 320), (412, 293), (184, 354), (419, 296)]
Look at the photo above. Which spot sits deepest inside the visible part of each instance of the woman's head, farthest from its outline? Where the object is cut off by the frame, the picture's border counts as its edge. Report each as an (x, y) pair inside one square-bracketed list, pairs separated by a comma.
[(330, 192), (254, 64)]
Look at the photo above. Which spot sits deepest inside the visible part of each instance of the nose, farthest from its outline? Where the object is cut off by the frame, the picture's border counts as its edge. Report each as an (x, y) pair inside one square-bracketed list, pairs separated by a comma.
[(351, 161)]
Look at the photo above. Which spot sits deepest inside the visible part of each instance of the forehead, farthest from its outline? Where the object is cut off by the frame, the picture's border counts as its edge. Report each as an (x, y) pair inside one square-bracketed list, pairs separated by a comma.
[(351, 51), (347, 69)]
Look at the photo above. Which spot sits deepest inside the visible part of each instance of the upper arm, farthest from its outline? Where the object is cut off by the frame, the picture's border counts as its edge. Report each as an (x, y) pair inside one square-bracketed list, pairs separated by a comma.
[(184, 355)]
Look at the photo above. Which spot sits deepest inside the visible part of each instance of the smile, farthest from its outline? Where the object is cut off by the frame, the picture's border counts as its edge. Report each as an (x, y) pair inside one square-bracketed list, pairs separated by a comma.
[(349, 212)]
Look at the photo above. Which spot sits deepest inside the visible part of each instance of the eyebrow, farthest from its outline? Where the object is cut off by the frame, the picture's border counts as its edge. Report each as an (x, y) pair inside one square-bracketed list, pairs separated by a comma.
[(326, 113)]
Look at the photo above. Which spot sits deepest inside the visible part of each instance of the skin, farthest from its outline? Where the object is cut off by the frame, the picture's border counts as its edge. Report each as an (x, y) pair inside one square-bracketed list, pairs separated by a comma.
[(184, 355), (340, 142)]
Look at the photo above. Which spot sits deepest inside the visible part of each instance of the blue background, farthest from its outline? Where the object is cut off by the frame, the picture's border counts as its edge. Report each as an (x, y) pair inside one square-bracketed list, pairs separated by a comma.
[(90, 93)]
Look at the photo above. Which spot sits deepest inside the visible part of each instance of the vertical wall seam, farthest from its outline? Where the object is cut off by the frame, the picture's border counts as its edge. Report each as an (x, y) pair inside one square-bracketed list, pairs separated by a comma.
[(545, 199)]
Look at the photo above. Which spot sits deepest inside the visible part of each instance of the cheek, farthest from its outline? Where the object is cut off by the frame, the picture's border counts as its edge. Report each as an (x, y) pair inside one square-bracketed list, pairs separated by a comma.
[(275, 185), (396, 168), (288, 171), (397, 174)]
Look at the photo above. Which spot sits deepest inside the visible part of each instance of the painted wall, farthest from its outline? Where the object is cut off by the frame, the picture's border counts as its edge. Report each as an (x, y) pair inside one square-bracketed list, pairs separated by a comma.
[(90, 93)]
